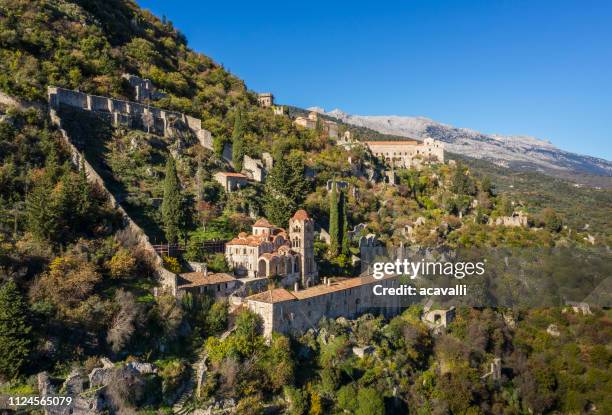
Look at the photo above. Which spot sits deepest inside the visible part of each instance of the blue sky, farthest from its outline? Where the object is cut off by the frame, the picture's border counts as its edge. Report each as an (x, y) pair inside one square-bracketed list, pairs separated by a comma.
[(540, 68)]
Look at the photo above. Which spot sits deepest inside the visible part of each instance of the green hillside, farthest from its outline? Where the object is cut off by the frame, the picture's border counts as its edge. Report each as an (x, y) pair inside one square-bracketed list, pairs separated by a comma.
[(73, 290)]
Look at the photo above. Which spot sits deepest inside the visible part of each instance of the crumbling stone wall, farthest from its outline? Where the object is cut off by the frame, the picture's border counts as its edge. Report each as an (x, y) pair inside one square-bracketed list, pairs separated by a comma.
[(167, 279), (254, 169), (130, 114)]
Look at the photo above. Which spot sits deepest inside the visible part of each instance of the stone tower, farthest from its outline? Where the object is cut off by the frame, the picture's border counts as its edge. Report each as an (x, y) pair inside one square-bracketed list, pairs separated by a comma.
[(301, 234)]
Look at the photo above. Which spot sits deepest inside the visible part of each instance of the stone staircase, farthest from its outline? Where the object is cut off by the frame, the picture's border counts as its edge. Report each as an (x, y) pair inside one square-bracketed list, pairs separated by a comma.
[(185, 403)]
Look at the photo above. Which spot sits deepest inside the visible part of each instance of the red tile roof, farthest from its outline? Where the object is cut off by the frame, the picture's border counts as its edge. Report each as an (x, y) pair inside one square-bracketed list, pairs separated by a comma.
[(301, 215), (276, 295), (263, 223), (281, 294), (198, 279)]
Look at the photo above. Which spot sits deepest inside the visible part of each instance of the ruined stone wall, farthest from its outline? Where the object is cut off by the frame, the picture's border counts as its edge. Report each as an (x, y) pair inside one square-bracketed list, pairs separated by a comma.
[(167, 279), (128, 113), (253, 168)]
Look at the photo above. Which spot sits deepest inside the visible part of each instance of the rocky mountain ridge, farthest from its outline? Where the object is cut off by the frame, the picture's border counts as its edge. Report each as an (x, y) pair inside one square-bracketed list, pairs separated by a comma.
[(516, 152)]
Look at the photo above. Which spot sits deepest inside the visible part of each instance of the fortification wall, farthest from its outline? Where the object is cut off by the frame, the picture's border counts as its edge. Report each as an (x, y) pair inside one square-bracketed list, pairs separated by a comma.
[(167, 279), (127, 113)]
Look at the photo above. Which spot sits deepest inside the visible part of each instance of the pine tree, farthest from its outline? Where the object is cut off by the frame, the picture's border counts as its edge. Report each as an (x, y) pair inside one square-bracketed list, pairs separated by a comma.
[(41, 213), (172, 203), (238, 140), (334, 221), (14, 331)]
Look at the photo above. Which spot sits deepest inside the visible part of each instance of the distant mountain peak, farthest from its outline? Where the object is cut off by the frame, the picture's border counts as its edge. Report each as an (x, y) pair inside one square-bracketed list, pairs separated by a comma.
[(514, 151)]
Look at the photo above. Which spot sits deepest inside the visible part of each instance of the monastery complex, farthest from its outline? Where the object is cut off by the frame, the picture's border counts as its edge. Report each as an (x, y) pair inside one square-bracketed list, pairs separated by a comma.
[(409, 153)]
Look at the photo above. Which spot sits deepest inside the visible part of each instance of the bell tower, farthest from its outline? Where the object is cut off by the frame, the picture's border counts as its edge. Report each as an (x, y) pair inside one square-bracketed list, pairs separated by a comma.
[(301, 235)]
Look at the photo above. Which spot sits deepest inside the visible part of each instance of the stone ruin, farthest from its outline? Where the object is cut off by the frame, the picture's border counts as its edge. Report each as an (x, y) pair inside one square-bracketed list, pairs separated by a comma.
[(553, 330), (144, 90), (131, 114), (578, 308), (88, 392), (338, 184), (517, 219), (254, 169), (438, 318), (495, 372)]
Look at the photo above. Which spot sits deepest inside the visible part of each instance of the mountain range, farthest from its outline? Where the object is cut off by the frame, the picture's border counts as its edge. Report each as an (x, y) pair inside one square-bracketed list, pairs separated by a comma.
[(515, 152)]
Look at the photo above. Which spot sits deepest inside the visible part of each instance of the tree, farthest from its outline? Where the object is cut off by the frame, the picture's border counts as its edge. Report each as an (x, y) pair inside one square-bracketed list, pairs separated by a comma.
[(551, 220), (172, 203), (68, 282), (124, 323), (122, 264), (346, 398), (344, 221), (14, 331), (369, 402), (461, 182), (285, 189), (338, 222), (486, 186), (216, 318), (334, 221), (238, 140), (40, 210)]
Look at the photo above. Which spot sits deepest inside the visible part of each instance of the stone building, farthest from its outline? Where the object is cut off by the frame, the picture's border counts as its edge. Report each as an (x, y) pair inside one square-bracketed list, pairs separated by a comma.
[(269, 251), (219, 285), (408, 153), (296, 311), (310, 122), (231, 181), (265, 99)]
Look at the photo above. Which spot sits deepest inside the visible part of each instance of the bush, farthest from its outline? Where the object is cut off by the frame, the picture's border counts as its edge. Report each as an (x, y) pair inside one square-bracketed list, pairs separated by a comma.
[(122, 264)]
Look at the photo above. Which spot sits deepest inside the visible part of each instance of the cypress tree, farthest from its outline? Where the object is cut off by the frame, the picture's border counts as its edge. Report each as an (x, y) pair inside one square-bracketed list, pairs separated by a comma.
[(172, 203), (14, 331), (344, 221), (238, 141), (334, 221)]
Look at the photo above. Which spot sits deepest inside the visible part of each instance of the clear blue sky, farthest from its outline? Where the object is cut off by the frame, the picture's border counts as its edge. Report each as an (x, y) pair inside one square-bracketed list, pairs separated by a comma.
[(531, 67)]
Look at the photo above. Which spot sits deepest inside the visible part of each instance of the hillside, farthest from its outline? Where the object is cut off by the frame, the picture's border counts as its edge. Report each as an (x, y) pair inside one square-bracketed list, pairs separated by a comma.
[(516, 152), (83, 313)]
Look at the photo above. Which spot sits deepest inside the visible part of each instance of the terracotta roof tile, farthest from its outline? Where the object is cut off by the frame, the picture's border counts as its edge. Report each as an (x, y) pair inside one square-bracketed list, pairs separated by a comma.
[(198, 279), (263, 223), (301, 215), (276, 295)]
